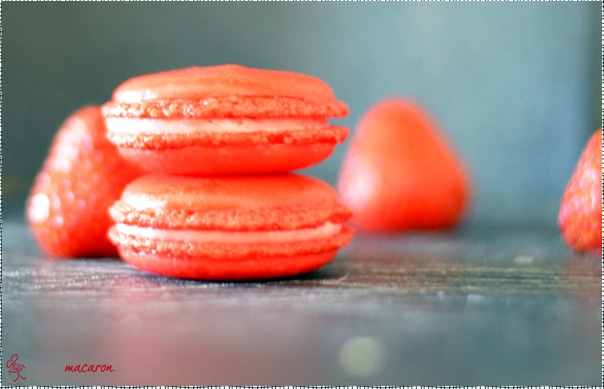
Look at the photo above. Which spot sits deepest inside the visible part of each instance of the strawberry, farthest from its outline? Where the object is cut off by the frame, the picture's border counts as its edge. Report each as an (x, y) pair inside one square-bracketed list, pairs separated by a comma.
[(400, 174), (580, 216), (81, 178)]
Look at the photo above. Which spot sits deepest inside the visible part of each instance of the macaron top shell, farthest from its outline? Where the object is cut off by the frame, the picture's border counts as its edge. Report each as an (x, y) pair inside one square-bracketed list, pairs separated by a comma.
[(233, 203), (224, 91), (222, 80)]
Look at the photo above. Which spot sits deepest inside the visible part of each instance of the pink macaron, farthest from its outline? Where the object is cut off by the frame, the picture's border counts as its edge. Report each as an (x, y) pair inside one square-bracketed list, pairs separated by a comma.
[(229, 227), (224, 120)]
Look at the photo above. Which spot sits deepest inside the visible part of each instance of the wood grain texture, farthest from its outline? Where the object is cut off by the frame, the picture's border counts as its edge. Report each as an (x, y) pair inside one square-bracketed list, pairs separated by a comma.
[(494, 307)]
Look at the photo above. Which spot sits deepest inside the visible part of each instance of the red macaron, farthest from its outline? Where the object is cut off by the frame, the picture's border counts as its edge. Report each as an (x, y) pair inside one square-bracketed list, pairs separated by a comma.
[(224, 120), (229, 227)]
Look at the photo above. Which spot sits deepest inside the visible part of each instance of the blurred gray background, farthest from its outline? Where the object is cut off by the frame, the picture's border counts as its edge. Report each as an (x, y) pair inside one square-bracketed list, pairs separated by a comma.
[(515, 87)]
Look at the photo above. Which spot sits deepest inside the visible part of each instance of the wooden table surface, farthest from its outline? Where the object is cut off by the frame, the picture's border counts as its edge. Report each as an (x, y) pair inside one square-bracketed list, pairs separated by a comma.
[(470, 307)]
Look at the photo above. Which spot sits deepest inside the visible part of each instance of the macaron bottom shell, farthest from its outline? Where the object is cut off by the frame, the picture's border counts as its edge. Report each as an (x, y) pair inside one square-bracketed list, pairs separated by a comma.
[(214, 269), (229, 260), (228, 160)]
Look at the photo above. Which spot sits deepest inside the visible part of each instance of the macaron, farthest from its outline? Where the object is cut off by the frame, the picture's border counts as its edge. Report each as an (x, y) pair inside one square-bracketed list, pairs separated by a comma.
[(224, 120), (230, 227)]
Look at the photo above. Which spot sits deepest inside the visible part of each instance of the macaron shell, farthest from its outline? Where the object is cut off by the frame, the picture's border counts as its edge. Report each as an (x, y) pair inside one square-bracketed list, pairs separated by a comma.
[(222, 80), (217, 269), (228, 160), (226, 107), (234, 203), (224, 91)]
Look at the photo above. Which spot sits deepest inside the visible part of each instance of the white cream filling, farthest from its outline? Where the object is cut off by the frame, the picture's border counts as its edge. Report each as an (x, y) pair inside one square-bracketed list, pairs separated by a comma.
[(182, 126), (325, 230)]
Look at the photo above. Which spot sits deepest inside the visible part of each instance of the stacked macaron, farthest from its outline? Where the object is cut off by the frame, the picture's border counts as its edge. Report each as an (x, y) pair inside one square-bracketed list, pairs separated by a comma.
[(219, 201)]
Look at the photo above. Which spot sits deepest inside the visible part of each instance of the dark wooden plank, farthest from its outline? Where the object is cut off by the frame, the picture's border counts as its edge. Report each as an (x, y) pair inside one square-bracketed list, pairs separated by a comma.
[(494, 307)]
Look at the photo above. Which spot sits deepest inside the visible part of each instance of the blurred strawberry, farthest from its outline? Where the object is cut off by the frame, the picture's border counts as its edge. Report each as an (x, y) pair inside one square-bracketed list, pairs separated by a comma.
[(400, 174), (82, 177), (580, 217)]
